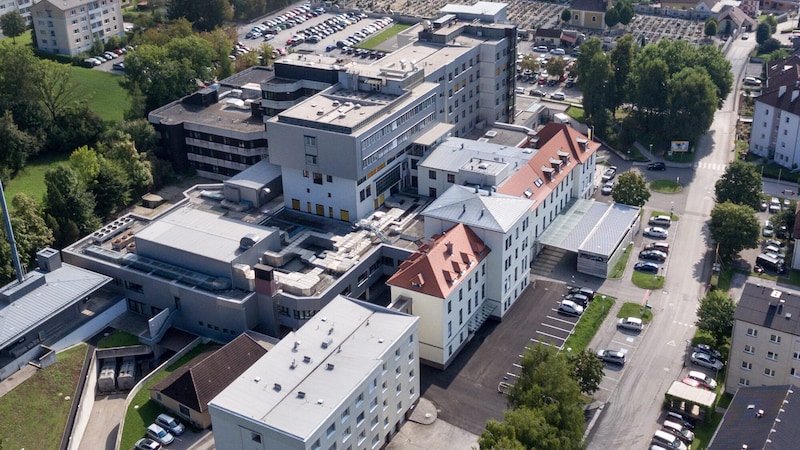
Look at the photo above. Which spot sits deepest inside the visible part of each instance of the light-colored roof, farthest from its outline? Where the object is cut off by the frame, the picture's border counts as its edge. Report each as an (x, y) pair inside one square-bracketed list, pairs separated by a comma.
[(199, 232), (486, 8), (62, 288), (487, 210), (438, 267), (255, 176), (694, 394), (344, 342), (590, 226), (455, 154)]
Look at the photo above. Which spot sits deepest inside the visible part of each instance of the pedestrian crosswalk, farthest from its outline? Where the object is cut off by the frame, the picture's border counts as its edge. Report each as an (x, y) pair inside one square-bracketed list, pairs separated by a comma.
[(709, 166)]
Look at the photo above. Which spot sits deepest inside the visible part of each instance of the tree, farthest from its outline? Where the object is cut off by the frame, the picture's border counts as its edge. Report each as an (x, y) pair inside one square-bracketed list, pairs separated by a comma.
[(772, 21), (18, 146), (140, 131), (712, 27), (13, 25), (56, 88), (715, 316), (631, 189), (73, 127), (68, 205), (625, 10), (85, 162), (740, 184), (566, 14), (762, 32), (718, 68), (612, 17), (204, 16), (784, 218), (734, 228), (521, 429), (133, 163), (770, 45), (587, 370), (111, 189), (30, 230), (692, 102), (621, 58), (555, 66)]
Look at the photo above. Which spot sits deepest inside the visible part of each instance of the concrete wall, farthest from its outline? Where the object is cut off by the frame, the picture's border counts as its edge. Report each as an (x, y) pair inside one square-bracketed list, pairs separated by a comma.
[(85, 405)]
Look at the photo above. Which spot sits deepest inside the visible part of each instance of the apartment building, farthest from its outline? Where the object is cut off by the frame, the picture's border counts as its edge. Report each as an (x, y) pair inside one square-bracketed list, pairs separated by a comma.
[(503, 223), (344, 151), (21, 6), (444, 284), (776, 116), (765, 344), (71, 27), (346, 379)]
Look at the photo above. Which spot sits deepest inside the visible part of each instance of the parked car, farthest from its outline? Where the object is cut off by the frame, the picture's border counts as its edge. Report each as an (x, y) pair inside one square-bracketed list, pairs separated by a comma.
[(774, 205), (660, 221), (706, 360), (752, 81), (170, 424), (768, 230), (611, 356), (771, 242), (692, 382), (660, 246), (147, 444), (582, 290), (537, 93), (681, 419), (155, 432), (653, 255), (630, 323), (763, 206), (610, 173), (607, 187), (678, 430), (704, 348), (657, 166), (745, 36), (118, 66), (540, 49), (570, 307), (647, 267), (578, 298), (655, 232), (558, 51), (705, 380), (558, 96)]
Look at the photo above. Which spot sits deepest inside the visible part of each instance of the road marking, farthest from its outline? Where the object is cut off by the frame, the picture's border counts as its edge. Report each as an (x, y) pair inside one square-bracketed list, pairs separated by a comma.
[(671, 343), (542, 342), (519, 366), (550, 335), (512, 374), (622, 343), (557, 328), (615, 380), (560, 320)]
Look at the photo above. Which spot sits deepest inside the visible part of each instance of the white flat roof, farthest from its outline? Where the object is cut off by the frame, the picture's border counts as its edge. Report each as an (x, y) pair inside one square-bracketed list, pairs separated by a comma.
[(357, 335)]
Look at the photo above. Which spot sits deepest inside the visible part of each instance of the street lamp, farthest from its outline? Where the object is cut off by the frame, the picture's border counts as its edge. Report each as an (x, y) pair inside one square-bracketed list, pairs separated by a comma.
[(651, 149), (671, 209)]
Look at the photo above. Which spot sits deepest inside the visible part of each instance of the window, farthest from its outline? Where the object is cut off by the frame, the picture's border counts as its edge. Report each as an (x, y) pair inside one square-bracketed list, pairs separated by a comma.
[(347, 434), (432, 174), (796, 355), (769, 372), (451, 178), (317, 178), (449, 306), (255, 437), (331, 430), (744, 382), (361, 437), (345, 414), (449, 329), (772, 355), (747, 366), (311, 159), (775, 339), (373, 423), (431, 192), (310, 141), (749, 349), (360, 399), (752, 332), (373, 404)]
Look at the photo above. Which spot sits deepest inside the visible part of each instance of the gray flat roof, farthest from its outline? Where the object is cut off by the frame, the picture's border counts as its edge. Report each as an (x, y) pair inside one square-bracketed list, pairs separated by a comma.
[(478, 8), (457, 153), (758, 305), (461, 204), (200, 232), (360, 334), (62, 288), (255, 176), (590, 227)]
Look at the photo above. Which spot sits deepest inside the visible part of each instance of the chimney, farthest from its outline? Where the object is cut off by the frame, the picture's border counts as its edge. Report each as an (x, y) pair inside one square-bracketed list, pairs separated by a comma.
[(583, 144), (265, 281), (780, 305)]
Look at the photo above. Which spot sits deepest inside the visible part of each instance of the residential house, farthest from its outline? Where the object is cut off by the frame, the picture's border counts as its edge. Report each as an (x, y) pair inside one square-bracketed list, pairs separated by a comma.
[(187, 391), (348, 377), (588, 13), (71, 27), (765, 344), (444, 284), (775, 133)]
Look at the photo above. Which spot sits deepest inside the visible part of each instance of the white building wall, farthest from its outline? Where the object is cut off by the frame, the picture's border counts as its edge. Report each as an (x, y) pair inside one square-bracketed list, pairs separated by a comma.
[(584, 187), (303, 194), (786, 144), (758, 359), (547, 211), (761, 134), (431, 313)]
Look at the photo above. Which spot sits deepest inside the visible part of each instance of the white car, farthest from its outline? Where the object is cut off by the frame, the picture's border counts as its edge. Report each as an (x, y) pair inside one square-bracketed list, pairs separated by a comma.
[(630, 323), (607, 188), (570, 307), (704, 379), (655, 232), (558, 96)]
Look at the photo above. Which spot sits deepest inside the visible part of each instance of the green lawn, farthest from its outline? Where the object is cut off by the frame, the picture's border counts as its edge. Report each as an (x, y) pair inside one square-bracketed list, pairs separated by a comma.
[(590, 322), (373, 42), (619, 267), (34, 414), (105, 96), (705, 431), (31, 179), (674, 216), (665, 186), (118, 339), (22, 40), (142, 411), (647, 280), (630, 309), (576, 113)]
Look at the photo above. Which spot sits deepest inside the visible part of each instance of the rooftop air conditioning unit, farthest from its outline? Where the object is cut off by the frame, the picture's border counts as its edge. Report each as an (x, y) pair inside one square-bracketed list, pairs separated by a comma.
[(491, 134)]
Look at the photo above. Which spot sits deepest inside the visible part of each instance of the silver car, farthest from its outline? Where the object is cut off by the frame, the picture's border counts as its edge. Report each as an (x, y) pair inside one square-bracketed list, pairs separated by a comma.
[(706, 360), (655, 232), (630, 323)]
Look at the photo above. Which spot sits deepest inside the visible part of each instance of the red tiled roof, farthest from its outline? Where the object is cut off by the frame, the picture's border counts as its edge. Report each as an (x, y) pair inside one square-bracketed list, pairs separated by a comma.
[(436, 268), (556, 141)]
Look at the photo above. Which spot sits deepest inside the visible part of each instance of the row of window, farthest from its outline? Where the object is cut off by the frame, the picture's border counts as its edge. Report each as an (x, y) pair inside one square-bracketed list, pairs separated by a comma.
[(773, 338), (376, 136), (249, 160), (768, 372), (381, 152), (233, 142)]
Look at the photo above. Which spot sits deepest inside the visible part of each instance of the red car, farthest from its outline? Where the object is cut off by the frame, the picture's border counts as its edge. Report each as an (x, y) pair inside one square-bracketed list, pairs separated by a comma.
[(542, 80), (694, 383)]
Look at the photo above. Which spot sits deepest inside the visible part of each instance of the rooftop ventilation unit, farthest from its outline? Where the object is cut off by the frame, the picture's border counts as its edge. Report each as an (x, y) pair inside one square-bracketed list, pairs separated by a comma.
[(301, 394), (330, 366), (276, 386), (327, 343), (336, 103), (306, 359), (491, 134)]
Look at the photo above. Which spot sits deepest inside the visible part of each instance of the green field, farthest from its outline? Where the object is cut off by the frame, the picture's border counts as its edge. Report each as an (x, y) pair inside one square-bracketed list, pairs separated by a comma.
[(34, 414), (373, 42), (590, 322), (105, 96), (31, 179)]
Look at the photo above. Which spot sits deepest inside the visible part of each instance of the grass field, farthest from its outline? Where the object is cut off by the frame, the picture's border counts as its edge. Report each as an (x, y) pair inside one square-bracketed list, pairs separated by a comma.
[(647, 280), (34, 414), (105, 96), (576, 113), (142, 411), (665, 186), (22, 40), (630, 309), (619, 267), (31, 179), (373, 42), (118, 339), (590, 322)]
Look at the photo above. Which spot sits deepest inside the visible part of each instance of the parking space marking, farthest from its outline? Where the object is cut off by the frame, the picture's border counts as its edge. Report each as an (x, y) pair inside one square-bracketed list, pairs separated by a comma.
[(615, 380), (550, 335), (561, 320), (512, 374), (627, 344), (549, 344), (519, 366), (557, 328)]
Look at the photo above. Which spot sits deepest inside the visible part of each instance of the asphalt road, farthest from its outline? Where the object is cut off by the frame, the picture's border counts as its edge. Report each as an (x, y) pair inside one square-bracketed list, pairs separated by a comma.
[(636, 394)]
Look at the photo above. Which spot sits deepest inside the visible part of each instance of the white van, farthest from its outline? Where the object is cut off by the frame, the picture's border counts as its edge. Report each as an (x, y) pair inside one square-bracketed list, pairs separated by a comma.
[(668, 440)]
